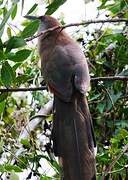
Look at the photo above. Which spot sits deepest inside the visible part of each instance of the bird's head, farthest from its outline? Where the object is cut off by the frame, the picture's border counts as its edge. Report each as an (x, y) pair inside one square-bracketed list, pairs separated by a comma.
[(46, 22)]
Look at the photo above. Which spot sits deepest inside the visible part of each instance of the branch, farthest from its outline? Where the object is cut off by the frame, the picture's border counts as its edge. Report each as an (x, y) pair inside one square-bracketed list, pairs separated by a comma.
[(110, 78), (108, 171), (77, 24), (23, 89)]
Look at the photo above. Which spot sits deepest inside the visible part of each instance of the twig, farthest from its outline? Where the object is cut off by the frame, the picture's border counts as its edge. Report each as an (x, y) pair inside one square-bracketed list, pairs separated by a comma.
[(23, 89), (115, 171), (13, 154), (109, 95), (39, 116), (45, 32), (77, 24), (118, 170), (109, 78), (108, 170)]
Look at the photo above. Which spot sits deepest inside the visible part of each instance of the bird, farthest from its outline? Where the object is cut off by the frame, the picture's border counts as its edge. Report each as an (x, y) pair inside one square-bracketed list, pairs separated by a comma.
[(66, 73)]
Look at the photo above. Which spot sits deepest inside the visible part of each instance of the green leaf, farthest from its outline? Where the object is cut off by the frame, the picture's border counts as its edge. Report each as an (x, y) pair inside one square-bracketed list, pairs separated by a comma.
[(4, 11), (56, 166), (30, 29), (102, 6), (1, 2), (9, 32), (115, 37), (21, 79), (100, 47), (121, 53), (26, 143), (115, 7), (32, 8), (7, 74), (2, 106), (1, 145), (95, 97), (10, 167), (19, 55), (1, 45), (114, 141), (17, 65), (121, 123), (14, 12), (126, 15), (15, 42), (123, 73), (23, 161), (123, 133), (3, 96), (123, 4), (104, 157), (45, 178), (54, 6), (115, 97), (101, 107), (2, 55), (2, 168), (5, 20)]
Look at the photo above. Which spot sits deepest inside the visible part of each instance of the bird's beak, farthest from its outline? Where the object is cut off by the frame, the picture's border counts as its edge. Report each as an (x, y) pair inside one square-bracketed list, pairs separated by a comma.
[(31, 17)]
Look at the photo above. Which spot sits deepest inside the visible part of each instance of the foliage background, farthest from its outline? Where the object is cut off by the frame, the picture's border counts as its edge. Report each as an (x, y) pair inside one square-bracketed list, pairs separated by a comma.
[(106, 50)]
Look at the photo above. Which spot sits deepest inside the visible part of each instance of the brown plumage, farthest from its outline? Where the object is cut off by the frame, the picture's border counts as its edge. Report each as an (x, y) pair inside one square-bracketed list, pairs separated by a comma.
[(65, 70)]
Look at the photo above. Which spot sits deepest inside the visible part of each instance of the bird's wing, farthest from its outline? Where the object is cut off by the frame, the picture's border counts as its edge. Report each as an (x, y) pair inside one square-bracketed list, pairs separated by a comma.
[(66, 71)]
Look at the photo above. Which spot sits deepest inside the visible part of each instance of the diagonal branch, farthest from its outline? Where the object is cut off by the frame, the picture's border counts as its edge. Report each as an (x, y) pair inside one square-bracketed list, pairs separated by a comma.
[(77, 24), (34, 121), (108, 170)]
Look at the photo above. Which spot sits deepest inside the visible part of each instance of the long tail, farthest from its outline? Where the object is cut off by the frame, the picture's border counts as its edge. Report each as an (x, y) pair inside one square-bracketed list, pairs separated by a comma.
[(73, 138)]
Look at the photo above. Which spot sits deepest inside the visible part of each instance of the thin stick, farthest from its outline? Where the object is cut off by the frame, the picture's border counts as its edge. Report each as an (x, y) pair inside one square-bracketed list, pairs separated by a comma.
[(23, 89), (77, 24), (108, 170), (110, 78)]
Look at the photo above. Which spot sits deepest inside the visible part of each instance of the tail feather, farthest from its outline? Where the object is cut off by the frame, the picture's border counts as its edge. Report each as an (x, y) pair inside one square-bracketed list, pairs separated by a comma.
[(73, 139), (82, 103)]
